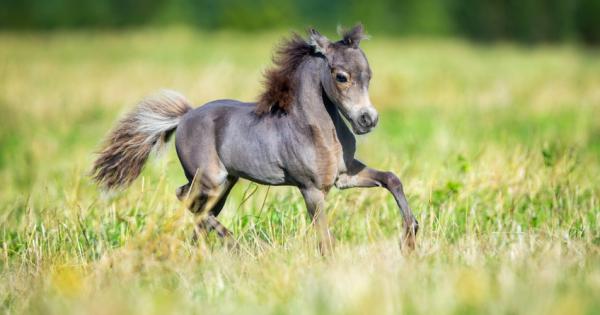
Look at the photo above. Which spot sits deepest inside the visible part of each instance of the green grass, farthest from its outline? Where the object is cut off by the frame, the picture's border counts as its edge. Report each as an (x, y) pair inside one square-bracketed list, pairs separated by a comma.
[(498, 147)]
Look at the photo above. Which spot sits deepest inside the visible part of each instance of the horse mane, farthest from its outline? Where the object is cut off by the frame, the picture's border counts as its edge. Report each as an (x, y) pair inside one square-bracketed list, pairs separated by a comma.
[(279, 84), (278, 80)]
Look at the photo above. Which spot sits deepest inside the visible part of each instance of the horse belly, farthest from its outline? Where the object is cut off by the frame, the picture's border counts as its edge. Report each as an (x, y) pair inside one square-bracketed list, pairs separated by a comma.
[(254, 162)]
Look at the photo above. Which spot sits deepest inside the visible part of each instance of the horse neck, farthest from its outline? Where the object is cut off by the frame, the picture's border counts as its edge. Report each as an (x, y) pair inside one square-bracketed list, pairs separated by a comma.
[(311, 103)]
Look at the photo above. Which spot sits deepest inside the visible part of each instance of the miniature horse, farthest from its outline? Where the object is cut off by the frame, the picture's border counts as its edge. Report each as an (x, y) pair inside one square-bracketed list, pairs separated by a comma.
[(294, 135)]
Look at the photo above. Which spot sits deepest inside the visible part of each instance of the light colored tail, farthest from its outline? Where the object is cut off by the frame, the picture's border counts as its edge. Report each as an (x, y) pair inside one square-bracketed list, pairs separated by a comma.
[(146, 128)]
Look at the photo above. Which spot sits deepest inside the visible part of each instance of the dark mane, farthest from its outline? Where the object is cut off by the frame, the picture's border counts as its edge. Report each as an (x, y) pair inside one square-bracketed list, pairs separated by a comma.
[(278, 81)]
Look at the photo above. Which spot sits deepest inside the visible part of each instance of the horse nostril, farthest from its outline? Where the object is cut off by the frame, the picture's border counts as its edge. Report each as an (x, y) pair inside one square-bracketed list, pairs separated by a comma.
[(365, 120)]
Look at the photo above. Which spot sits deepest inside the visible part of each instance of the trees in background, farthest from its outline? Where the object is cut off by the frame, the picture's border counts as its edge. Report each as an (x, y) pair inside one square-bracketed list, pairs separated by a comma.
[(528, 21)]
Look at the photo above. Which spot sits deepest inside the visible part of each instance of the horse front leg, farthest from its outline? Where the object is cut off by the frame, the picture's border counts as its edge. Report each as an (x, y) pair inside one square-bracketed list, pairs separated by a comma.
[(359, 175), (315, 204)]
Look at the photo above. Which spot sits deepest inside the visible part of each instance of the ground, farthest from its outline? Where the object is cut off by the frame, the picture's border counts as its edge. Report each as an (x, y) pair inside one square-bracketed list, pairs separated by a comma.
[(498, 147)]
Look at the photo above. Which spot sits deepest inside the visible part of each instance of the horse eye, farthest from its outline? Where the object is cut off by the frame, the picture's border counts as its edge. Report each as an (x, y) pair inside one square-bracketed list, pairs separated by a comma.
[(342, 78)]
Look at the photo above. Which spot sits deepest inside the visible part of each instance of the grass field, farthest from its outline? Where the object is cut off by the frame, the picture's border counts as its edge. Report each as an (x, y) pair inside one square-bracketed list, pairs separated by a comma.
[(498, 147)]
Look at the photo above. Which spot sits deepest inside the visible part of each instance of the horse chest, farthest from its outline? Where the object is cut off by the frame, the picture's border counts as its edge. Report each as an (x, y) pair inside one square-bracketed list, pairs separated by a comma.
[(328, 156)]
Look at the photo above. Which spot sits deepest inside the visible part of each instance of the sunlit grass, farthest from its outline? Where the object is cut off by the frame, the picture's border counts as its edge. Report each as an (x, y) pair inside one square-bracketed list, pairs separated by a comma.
[(498, 148)]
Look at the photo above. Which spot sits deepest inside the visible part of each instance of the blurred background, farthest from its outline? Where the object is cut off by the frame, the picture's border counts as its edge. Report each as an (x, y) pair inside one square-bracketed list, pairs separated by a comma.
[(527, 21)]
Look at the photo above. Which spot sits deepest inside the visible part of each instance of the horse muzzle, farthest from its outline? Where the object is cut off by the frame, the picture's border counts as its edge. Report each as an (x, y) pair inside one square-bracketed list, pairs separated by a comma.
[(367, 120)]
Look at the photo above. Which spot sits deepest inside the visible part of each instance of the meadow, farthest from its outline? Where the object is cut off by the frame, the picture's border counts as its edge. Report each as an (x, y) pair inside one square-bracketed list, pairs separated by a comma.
[(498, 147)]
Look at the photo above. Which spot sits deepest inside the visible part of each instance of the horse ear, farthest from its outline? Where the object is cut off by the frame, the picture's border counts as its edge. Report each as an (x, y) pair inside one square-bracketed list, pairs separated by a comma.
[(353, 36), (319, 42)]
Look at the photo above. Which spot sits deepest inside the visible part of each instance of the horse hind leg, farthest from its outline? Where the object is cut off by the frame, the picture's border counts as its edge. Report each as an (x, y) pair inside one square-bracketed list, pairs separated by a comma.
[(206, 204), (210, 223), (182, 192)]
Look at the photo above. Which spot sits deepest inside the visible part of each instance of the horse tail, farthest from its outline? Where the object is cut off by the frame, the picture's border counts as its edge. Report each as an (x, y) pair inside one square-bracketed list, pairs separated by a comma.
[(146, 128)]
